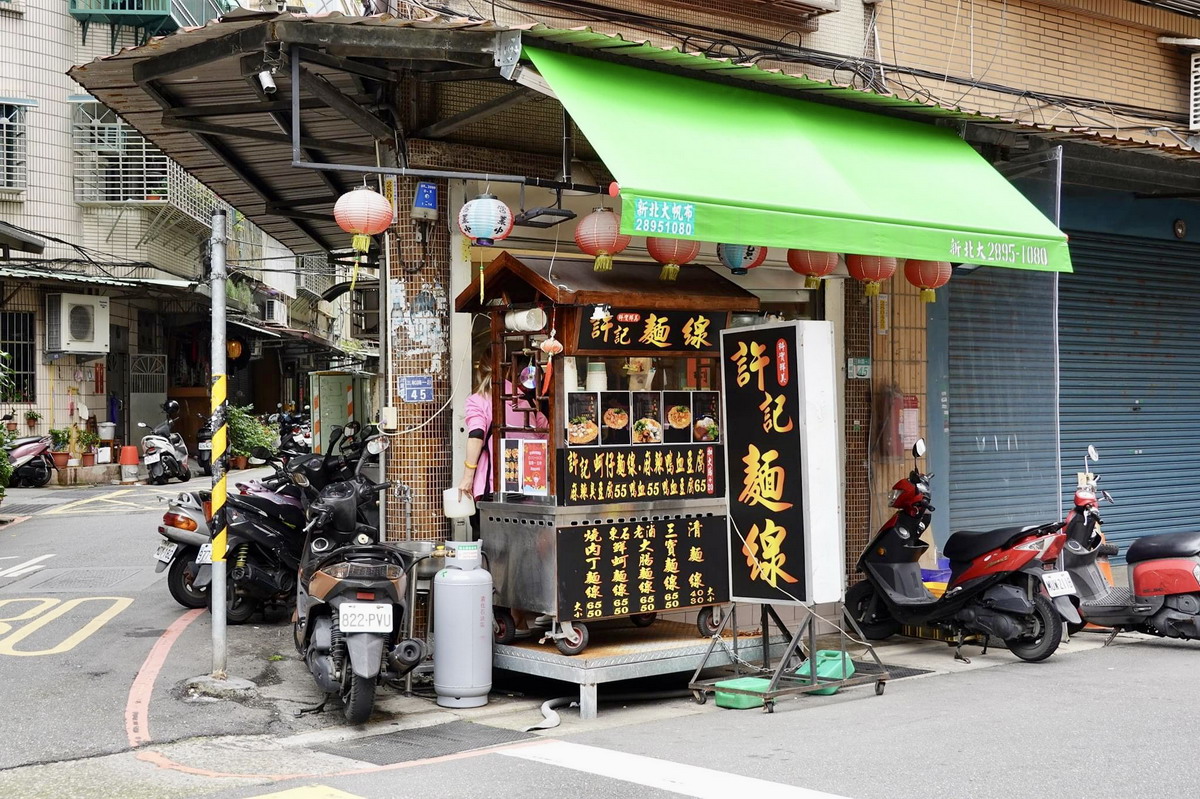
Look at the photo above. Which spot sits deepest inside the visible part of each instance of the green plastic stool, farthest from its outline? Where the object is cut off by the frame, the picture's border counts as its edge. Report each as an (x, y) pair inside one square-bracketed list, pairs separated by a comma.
[(832, 665)]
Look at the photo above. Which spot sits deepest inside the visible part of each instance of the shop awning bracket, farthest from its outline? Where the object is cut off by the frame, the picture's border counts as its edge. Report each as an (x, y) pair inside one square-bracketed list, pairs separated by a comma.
[(481, 111)]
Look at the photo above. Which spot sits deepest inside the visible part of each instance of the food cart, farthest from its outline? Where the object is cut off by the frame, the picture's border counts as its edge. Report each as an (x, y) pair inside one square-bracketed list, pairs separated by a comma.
[(609, 490)]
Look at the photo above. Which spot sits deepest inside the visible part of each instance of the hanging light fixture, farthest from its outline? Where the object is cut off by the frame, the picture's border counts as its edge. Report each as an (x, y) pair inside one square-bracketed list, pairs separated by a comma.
[(485, 220), (672, 254), (813, 264), (599, 234), (872, 270), (741, 258), (927, 276), (364, 213)]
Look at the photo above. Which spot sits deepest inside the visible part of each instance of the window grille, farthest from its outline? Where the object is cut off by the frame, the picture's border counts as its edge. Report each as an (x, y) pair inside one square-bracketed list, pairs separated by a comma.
[(12, 147), (17, 339), (315, 273), (113, 162)]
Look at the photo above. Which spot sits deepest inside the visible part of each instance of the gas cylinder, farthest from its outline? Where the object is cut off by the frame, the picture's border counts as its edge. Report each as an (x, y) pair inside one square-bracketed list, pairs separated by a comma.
[(462, 628)]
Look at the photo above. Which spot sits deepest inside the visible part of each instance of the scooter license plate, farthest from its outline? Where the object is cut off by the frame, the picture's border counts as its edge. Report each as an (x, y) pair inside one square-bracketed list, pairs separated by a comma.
[(204, 445), (1058, 583), (151, 457), (205, 554), (360, 617), (165, 551)]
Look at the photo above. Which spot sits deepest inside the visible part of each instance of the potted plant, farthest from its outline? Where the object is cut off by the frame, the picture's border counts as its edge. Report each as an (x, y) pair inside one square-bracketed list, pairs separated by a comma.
[(11, 422), (243, 435), (60, 439), (87, 445), (32, 417)]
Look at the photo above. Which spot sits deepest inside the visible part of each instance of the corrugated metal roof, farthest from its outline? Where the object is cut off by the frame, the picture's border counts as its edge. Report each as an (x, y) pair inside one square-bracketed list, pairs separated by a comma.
[(110, 79), (66, 277)]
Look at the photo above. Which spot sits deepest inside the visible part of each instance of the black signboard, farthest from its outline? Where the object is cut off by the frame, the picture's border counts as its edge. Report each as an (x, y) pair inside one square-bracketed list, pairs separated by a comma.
[(641, 473), (766, 537), (609, 330), (634, 567)]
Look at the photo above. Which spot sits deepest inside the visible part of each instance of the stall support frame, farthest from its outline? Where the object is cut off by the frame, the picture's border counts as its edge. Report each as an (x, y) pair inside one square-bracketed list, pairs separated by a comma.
[(783, 682)]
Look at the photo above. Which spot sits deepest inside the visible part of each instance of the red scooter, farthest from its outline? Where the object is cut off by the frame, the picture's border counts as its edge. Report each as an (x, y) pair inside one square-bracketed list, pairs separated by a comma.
[(1002, 583), (32, 464), (1164, 572)]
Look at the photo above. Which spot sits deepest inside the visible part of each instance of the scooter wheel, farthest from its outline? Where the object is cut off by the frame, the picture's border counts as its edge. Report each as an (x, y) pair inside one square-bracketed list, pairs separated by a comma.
[(359, 697), (179, 581)]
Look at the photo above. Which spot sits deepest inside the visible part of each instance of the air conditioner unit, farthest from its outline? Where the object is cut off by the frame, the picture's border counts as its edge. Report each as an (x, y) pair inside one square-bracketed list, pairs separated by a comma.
[(275, 312), (76, 323)]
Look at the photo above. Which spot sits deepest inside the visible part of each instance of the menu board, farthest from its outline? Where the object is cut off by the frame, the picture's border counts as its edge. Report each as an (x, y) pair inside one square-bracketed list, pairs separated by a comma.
[(607, 570), (612, 330), (621, 474), (642, 418), (766, 542)]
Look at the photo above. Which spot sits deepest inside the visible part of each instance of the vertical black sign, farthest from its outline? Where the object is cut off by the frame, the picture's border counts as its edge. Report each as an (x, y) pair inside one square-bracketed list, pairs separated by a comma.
[(762, 441), (633, 567)]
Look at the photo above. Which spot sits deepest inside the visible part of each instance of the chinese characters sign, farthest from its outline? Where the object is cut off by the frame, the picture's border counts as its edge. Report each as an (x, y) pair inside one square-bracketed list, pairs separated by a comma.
[(991, 252), (657, 331), (615, 474), (664, 217), (767, 538), (634, 567)]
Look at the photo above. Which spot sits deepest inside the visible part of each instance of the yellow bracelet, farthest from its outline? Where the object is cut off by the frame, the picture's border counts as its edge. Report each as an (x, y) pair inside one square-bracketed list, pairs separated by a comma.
[(471, 465)]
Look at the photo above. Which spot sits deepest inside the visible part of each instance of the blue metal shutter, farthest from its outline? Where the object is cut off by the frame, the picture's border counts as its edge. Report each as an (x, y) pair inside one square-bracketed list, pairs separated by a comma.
[(1001, 401), (1130, 360)]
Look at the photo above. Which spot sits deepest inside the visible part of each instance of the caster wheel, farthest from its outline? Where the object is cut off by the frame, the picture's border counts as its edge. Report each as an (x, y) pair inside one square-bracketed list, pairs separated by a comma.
[(769, 706), (709, 620), (700, 697), (575, 642), (880, 687), (504, 628), (643, 619)]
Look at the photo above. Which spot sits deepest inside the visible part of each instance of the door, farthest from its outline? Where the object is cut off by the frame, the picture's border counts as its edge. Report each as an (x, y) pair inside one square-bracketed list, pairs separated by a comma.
[(117, 374)]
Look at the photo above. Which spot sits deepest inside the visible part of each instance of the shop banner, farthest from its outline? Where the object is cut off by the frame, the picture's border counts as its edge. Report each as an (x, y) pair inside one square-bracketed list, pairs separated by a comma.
[(634, 567), (612, 330)]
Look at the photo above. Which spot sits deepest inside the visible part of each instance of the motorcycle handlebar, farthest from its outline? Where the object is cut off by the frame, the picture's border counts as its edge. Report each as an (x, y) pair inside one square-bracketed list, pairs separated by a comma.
[(1108, 550)]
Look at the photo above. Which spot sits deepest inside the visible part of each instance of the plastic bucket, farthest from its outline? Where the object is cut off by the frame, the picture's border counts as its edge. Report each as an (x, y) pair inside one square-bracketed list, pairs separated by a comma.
[(455, 505), (106, 430)]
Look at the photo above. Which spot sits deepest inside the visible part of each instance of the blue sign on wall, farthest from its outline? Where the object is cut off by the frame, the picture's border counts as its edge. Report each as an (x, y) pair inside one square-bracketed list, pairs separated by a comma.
[(415, 388)]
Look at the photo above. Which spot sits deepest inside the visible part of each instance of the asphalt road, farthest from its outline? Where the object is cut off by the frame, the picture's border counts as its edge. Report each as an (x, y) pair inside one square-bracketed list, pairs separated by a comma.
[(1115, 722)]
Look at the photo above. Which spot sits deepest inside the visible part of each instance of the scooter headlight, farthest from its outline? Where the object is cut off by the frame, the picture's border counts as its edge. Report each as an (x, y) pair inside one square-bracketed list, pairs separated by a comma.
[(895, 495), (1196, 572)]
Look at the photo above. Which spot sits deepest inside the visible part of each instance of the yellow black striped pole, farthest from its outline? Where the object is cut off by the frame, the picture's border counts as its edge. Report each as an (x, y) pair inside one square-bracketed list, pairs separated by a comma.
[(220, 442)]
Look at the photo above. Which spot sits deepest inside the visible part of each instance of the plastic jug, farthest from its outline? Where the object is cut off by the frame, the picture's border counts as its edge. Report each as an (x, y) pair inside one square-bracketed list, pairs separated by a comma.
[(457, 506)]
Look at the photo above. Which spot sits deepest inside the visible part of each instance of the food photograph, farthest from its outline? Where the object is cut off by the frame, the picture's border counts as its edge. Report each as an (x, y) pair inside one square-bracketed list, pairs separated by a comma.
[(678, 417), (706, 406), (582, 427), (647, 417), (614, 417)]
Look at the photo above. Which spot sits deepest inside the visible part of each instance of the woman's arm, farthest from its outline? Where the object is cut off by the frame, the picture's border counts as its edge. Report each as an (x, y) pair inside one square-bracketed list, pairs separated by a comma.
[(474, 450)]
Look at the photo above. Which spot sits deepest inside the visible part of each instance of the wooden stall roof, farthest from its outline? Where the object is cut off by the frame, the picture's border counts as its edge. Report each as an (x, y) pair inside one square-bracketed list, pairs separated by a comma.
[(509, 280)]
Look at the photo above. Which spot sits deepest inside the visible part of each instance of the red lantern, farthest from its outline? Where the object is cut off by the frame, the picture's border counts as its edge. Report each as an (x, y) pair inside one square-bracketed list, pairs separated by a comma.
[(671, 253), (813, 264), (927, 276), (365, 213), (599, 234), (871, 269)]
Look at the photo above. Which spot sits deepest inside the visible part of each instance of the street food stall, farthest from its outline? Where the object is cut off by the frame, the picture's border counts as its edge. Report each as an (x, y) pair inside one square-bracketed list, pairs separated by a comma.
[(609, 496)]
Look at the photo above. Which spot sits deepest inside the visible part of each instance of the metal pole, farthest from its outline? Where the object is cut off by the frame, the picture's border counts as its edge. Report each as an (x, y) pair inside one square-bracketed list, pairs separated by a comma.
[(220, 457)]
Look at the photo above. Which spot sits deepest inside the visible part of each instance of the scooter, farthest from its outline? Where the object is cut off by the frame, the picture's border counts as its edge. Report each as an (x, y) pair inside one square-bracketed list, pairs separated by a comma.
[(204, 444), (186, 550), (163, 451), (32, 464), (999, 583), (1164, 572), (351, 597)]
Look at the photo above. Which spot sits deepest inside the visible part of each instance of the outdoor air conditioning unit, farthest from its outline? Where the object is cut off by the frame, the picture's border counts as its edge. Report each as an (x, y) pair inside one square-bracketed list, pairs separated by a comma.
[(275, 312), (76, 323)]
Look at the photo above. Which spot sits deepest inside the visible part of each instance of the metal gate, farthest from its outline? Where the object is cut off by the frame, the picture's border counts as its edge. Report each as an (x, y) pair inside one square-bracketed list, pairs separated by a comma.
[(1130, 354), (147, 389)]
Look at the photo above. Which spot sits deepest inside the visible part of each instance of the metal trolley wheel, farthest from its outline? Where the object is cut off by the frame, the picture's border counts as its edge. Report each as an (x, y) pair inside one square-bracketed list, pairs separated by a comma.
[(504, 627), (700, 696), (709, 621), (574, 639), (880, 687), (643, 619)]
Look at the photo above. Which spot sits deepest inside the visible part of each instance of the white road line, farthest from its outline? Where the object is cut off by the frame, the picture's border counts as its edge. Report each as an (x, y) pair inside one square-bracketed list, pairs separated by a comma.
[(655, 773), (23, 567)]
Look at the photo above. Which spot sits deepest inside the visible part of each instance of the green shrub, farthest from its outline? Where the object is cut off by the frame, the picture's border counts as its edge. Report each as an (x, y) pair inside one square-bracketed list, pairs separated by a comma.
[(246, 432), (60, 439)]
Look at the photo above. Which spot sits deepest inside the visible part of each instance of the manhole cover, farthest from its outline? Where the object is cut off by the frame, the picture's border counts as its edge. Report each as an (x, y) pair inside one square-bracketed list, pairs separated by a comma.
[(21, 510), (77, 580), (423, 742)]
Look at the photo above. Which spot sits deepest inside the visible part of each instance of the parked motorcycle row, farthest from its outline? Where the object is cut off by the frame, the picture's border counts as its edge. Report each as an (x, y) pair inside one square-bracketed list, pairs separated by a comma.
[(307, 538), (1020, 584)]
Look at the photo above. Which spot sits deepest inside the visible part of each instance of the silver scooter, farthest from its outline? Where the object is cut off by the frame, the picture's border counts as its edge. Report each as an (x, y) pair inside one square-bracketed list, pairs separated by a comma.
[(185, 551), (163, 450)]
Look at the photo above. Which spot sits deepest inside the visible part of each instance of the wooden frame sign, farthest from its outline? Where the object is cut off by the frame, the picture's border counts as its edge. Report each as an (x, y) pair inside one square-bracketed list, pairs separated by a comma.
[(785, 540)]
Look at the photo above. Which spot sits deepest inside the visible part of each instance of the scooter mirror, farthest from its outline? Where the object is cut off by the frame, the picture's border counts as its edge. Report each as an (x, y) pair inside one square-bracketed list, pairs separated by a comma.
[(279, 405), (142, 425), (918, 449), (300, 479), (6, 417), (351, 429), (263, 454), (1092, 453), (306, 407), (377, 445)]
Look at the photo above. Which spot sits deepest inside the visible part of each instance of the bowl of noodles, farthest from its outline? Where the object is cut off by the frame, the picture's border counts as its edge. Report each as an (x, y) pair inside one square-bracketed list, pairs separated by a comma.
[(647, 431), (679, 417)]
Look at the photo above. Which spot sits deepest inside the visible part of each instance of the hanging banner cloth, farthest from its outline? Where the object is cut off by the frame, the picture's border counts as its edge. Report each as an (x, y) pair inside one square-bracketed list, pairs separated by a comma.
[(720, 163)]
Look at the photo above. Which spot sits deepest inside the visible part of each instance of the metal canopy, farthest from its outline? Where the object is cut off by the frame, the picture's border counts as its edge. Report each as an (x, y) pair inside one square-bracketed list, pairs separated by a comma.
[(197, 95), (12, 238)]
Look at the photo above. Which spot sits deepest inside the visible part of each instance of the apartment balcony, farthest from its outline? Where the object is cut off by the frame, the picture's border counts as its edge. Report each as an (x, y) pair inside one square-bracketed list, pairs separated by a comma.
[(152, 17)]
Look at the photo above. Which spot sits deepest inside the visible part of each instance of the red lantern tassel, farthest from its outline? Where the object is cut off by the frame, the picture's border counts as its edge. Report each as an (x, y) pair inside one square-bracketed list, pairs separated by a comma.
[(481, 281), (603, 262), (871, 289), (812, 282), (928, 295), (669, 272)]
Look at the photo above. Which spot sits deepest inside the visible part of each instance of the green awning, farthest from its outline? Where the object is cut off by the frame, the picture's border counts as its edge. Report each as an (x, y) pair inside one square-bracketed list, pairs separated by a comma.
[(720, 163)]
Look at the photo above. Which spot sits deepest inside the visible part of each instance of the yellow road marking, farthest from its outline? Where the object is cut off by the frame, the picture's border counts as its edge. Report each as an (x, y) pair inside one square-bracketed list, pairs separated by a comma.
[(46, 604), (308, 792), (80, 502), (119, 603)]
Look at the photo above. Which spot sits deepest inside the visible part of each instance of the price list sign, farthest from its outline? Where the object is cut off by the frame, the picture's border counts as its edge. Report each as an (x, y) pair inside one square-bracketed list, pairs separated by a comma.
[(607, 570), (763, 439), (608, 474)]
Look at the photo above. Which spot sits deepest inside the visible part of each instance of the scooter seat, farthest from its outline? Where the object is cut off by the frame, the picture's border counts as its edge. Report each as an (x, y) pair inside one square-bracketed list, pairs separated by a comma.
[(20, 442), (1164, 545), (969, 544)]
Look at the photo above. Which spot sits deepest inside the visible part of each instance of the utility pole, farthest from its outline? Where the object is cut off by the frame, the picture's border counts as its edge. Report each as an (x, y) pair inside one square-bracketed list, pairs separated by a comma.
[(220, 445)]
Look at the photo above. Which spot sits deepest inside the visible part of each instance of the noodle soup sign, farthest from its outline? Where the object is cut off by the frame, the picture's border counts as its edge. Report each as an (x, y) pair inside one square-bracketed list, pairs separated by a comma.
[(785, 538)]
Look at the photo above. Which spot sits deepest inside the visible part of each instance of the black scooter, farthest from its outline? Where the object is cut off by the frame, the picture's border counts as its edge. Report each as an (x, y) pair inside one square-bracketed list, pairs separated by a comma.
[(351, 596), (204, 444)]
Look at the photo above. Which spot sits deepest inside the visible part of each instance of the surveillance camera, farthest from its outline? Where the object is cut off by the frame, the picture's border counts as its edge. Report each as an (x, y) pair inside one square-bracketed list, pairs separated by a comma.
[(268, 82)]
